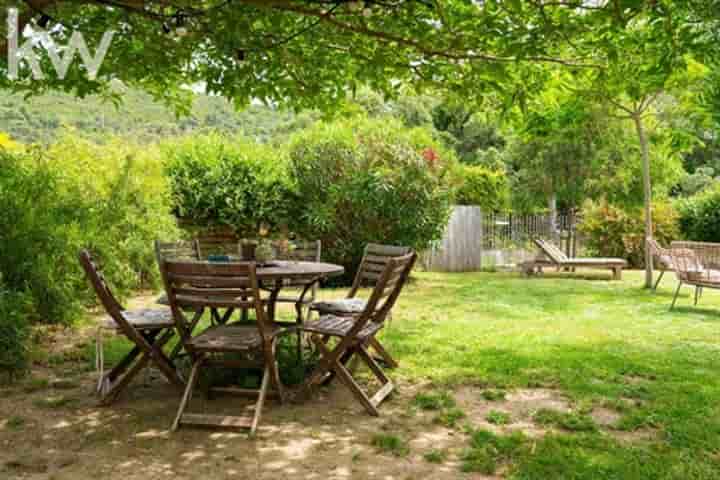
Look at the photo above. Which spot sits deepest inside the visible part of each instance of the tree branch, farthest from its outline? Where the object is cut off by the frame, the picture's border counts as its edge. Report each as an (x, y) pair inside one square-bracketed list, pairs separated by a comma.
[(34, 7)]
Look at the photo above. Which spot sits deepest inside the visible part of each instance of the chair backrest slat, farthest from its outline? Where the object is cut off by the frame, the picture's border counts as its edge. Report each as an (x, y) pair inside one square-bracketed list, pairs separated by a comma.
[(303, 250), (217, 245), (373, 263), (388, 288), (686, 263), (181, 249), (707, 252), (552, 251), (208, 281), (99, 284), (662, 255), (376, 249), (108, 300)]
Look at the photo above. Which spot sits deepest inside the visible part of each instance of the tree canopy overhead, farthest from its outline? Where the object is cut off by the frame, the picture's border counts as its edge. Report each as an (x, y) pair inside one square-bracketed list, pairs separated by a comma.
[(310, 53)]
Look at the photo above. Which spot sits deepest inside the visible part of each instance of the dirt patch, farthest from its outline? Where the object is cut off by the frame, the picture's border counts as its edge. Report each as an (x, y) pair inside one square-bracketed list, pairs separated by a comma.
[(640, 435), (605, 417), (520, 405)]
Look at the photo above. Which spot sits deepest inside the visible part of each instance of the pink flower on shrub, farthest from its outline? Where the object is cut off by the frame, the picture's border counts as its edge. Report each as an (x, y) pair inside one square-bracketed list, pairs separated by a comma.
[(431, 157)]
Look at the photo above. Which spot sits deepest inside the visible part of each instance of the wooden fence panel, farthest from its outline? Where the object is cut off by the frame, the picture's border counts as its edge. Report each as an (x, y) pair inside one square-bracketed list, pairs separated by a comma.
[(461, 247)]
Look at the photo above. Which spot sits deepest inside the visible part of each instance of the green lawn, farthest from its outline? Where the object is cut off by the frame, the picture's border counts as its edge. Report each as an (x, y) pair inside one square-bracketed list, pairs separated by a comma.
[(597, 342)]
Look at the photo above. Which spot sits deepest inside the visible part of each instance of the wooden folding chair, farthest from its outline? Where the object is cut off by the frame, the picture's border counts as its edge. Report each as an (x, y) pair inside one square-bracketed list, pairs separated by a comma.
[(187, 250), (355, 333), (148, 329), (194, 286), (217, 245), (177, 250), (374, 260)]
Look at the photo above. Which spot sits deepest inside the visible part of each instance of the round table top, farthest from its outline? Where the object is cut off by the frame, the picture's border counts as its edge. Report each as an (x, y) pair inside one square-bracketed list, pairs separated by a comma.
[(279, 269), (284, 269)]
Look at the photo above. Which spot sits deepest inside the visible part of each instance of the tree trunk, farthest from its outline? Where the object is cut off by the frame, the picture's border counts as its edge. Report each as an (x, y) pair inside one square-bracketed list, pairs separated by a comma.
[(552, 206), (647, 189)]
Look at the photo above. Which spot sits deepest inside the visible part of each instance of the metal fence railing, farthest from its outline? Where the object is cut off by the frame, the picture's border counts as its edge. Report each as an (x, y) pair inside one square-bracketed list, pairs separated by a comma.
[(476, 240)]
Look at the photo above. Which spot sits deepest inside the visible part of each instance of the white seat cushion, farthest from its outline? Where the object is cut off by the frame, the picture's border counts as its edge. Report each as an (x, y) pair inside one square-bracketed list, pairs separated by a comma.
[(345, 305), (143, 319)]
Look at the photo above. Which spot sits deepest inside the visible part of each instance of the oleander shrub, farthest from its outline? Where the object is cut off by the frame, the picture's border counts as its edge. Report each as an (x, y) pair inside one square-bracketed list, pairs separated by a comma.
[(481, 186), (614, 231), (216, 181), (700, 216), (360, 180)]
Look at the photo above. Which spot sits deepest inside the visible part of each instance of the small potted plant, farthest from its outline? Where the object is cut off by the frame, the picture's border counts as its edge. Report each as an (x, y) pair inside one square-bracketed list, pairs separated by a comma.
[(264, 252)]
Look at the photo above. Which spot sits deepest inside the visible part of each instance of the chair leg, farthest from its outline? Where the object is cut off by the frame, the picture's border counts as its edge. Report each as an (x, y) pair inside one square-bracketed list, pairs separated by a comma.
[(299, 320), (662, 272), (677, 291), (346, 378), (260, 401), (120, 385), (384, 355), (123, 364), (194, 374), (272, 366), (387, 385), (344, 359), (166, 367), (193, 323), (226, 316), (163, 362), (321, 371)]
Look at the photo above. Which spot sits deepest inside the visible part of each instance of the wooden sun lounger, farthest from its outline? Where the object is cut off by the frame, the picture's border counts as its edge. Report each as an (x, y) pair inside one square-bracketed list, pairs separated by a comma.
[(552, 256)]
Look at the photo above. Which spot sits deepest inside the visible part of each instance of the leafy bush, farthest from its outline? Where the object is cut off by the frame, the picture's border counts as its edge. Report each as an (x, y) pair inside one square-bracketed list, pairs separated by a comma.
[(361, 181), (488, 189), (698, 181), (77, 194), (217, 182), (125, 192), (700, 216), (14, 331), (612, 231)]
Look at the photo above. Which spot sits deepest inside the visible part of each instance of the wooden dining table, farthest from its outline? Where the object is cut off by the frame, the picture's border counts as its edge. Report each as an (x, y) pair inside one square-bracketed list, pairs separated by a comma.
[(275, 275)]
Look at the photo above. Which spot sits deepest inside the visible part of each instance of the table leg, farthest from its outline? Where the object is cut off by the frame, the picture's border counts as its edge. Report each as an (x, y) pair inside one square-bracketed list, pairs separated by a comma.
[(272, 300)]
